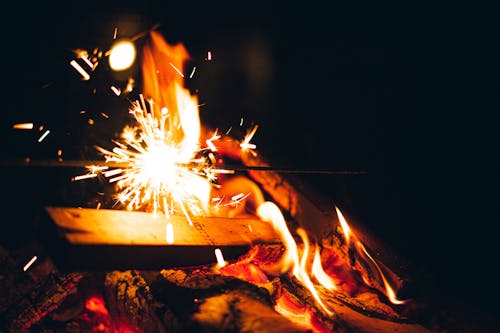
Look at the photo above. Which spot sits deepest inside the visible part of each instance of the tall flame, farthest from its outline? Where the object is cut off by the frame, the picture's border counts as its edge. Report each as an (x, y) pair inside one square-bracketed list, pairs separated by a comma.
[(159, 153)]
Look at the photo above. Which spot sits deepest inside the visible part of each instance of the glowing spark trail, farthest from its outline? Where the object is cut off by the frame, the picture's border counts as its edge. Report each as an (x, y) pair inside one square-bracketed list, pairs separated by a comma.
[(44, 135), (23, 126), (80, 70), (28, 265)]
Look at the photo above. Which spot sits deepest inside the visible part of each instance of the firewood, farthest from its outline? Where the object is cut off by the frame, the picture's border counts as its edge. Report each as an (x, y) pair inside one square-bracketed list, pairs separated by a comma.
[(41, 300), (129, 299), (204, 301), (107, 239)]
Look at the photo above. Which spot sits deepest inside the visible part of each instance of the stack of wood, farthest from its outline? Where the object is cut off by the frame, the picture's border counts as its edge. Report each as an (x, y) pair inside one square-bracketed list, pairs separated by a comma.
[(238, 297)]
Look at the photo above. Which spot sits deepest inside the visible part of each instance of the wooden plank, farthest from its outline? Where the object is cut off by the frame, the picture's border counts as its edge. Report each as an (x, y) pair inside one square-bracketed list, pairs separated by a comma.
[(107, 239), (118, 227)]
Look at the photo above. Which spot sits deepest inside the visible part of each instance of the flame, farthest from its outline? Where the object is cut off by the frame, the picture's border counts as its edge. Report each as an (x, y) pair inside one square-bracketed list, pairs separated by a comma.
[(160, 169), (344, 225), (363, 252), (269, 211), (319, 273)]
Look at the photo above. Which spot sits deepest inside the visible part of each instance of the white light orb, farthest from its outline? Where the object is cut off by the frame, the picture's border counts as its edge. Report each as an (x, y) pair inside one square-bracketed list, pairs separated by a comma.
[(122, 55)]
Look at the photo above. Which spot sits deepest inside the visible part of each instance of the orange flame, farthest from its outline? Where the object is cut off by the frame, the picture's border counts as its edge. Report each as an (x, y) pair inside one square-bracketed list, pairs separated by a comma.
[(362, 251), (269, 211)]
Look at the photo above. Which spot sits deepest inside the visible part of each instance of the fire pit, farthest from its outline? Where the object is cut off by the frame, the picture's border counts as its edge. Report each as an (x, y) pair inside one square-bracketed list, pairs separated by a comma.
[(201, 234)]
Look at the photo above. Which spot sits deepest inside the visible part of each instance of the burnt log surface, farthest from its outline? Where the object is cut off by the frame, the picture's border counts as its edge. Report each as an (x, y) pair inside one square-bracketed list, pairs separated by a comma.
[(207, 302)]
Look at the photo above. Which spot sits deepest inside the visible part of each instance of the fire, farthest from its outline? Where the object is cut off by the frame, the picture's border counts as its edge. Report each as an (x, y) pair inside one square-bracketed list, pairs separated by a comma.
[(363, 252), (269, 211), (161, 169), (160, 166)]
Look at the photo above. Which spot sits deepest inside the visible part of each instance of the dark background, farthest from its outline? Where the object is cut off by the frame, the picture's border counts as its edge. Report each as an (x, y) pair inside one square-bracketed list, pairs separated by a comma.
[(401, 92)]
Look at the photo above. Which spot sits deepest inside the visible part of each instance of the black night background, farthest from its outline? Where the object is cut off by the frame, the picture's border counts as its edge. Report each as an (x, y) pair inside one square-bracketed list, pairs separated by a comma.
[(401, 93)]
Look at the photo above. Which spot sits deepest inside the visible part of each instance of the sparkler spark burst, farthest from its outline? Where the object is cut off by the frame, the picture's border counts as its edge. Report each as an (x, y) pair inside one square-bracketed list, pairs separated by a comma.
[(158, 169), (161, 167)]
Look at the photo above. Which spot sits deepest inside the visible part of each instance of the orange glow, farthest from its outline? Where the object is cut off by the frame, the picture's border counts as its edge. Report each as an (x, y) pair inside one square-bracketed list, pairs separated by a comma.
[(299, 313), (295, 312), (96, 304), (245, 271), (23, 126)]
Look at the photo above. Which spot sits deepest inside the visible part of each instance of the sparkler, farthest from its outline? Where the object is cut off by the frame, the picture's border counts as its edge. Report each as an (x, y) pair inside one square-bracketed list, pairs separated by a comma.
[(157, 169)]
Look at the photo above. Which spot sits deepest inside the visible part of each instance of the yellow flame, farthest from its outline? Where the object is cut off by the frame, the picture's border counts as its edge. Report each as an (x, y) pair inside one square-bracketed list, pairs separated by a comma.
[(269, 211), (319, 273), (344, 225)]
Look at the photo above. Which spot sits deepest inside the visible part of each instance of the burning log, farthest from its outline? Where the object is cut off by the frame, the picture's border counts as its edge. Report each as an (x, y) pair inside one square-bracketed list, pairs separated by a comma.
[(28, 297), (205, 301), (130, 301)]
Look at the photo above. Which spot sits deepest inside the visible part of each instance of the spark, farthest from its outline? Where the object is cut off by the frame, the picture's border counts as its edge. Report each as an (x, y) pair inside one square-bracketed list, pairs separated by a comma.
[(209, 142), (80, 70), (86, 176), (248, 137), (44, 135), (176, 69), (192, 72), (157, 166), (130, 85), (115, 32), (220, 258), (104, 115), (87, 61), (209, 55), (116, 90), (224, 171), (28, 265), (23, 126)]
